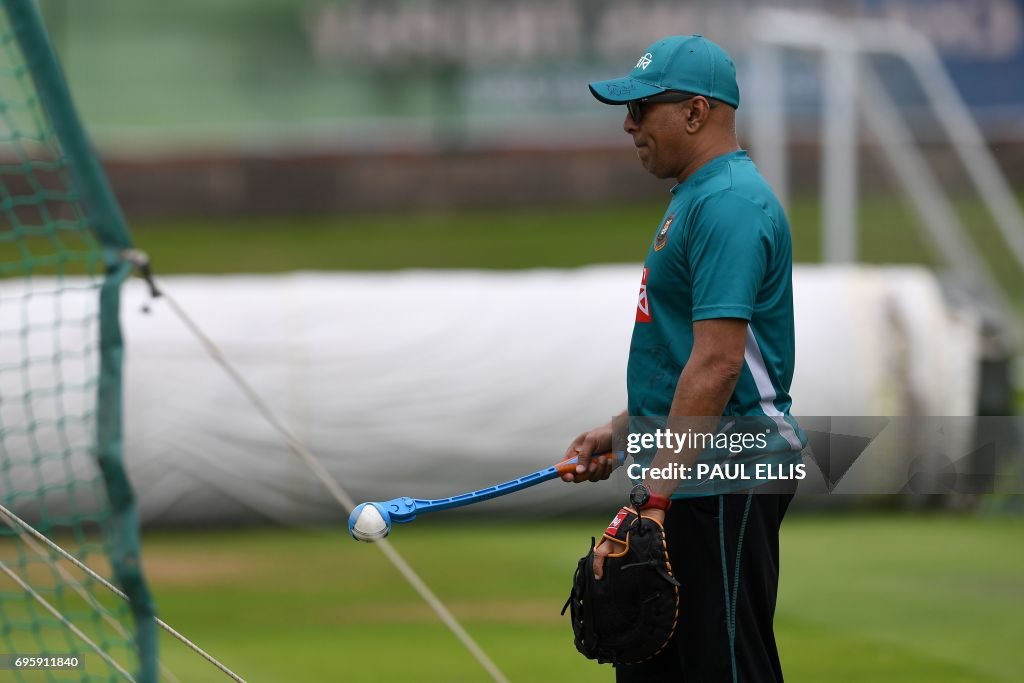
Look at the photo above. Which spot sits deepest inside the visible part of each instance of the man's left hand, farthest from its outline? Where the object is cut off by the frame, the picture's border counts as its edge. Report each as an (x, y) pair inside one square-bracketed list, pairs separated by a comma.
[(603, 550), (631, 613)]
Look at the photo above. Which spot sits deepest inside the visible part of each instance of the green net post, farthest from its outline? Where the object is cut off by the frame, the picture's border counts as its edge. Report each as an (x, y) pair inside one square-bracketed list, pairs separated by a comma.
[(104, 219)]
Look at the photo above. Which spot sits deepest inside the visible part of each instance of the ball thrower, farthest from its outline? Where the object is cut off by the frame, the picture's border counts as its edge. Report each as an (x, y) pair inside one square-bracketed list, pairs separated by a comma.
[(372, 521)]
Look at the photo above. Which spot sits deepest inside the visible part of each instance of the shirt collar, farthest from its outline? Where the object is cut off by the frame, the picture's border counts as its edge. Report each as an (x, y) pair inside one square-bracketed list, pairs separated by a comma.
[(710, 168)]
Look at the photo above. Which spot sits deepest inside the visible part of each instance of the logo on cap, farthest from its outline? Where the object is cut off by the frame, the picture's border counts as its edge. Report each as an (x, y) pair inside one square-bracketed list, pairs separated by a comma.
[(644, 61)]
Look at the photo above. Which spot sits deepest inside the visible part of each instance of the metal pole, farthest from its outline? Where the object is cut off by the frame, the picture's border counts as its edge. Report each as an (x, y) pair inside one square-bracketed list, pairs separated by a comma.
[(768, 124), (839, 148)]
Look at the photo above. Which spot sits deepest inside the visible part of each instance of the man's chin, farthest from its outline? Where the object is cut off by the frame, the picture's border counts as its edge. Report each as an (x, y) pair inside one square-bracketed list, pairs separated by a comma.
[(645, 161), (659, 173)]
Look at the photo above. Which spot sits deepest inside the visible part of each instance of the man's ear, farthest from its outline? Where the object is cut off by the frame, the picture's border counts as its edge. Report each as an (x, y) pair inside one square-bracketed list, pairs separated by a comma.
[(697, 111)]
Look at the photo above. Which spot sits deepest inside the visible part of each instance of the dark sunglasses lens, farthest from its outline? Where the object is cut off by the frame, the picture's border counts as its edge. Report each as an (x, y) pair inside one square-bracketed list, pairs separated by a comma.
[(634, 110)]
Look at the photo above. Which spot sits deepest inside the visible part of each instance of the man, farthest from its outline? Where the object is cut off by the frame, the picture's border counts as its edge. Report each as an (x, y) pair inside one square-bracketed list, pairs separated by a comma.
[(713, 337)]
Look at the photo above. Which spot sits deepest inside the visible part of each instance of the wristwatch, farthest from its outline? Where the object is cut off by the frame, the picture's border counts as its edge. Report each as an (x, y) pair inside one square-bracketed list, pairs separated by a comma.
[(642, 499)]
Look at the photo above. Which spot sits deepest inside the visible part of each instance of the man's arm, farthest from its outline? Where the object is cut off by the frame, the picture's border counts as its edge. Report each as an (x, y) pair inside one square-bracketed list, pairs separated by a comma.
[(703, 391), (705, 385)]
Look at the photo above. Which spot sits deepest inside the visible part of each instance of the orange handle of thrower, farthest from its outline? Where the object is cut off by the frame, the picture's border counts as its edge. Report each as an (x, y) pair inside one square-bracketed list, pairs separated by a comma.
[(568, 466)]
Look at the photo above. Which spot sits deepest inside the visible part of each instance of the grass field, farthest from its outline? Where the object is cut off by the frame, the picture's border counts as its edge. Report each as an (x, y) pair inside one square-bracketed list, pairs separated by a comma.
[(524, 238), (865, 598), (540, 237)]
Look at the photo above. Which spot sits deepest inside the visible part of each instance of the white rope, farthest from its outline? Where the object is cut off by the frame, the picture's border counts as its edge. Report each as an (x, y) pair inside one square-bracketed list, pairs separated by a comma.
[(111, 587), (340, 495), (60, 617), (75, 584)]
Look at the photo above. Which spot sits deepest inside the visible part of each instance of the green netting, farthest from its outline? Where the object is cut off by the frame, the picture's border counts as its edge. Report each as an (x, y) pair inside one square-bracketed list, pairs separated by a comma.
[(61, 235)]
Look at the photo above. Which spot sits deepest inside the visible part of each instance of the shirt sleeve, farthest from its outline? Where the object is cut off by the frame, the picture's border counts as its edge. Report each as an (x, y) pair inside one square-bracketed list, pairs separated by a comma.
[(727, 251)]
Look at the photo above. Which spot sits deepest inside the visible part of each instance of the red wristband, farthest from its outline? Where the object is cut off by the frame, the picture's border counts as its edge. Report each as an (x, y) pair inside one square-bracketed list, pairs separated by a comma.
[(658, 502)]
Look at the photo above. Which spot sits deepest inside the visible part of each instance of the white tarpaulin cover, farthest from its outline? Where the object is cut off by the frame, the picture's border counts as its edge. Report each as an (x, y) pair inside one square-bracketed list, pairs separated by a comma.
[(431, 383)]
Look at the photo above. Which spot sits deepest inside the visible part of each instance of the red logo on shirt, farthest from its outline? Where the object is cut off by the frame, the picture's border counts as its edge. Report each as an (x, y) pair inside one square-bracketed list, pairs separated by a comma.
[(643, 304)]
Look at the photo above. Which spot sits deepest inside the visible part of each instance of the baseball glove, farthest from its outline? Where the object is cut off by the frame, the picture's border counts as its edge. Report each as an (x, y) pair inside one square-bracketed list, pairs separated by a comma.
[(630, 614)]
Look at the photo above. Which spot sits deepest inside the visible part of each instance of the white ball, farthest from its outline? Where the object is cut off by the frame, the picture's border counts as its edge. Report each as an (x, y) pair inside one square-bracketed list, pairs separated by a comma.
[(370, 525)]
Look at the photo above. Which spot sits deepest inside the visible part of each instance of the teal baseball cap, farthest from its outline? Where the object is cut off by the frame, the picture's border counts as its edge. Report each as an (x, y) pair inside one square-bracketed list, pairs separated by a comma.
[(691, 64)]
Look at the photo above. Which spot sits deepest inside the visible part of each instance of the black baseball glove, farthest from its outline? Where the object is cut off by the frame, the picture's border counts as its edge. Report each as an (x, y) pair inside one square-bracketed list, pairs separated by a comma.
[(629, 614)]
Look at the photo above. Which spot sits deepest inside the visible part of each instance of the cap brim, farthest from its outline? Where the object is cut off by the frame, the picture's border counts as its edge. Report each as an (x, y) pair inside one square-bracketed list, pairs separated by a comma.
[(622, 90)]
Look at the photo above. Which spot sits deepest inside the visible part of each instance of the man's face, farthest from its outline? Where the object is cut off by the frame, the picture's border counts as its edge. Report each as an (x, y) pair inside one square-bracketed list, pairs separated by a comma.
[(662, 143)]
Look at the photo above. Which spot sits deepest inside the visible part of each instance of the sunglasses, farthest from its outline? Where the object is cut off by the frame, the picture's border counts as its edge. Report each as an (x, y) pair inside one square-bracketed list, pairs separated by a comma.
[(636, 107)]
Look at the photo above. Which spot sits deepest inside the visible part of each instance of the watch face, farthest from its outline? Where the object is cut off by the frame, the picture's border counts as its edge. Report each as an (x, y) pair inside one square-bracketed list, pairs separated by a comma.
[(639, 496)]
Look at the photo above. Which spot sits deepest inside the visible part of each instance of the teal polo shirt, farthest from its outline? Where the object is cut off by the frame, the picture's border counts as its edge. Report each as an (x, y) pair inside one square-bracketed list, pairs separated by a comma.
[(722, 250)]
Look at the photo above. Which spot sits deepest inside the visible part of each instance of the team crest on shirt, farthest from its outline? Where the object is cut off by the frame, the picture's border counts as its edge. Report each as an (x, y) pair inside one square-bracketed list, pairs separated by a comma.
[(643, 304), (662, 238)]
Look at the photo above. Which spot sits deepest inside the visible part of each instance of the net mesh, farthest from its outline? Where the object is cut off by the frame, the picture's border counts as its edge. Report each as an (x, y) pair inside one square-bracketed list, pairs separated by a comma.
[(53, 274)]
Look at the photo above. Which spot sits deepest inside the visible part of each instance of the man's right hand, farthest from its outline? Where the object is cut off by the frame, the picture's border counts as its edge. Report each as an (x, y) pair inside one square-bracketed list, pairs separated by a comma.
[(584, 447)]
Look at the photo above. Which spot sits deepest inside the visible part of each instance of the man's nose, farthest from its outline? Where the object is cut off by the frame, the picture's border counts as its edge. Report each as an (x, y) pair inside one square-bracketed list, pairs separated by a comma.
[(629, 125)]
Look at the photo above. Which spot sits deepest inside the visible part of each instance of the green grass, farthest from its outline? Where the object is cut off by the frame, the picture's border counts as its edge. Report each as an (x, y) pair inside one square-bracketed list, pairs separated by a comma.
[(539, 237), (512, 239), (869, 598), (497, 239)]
